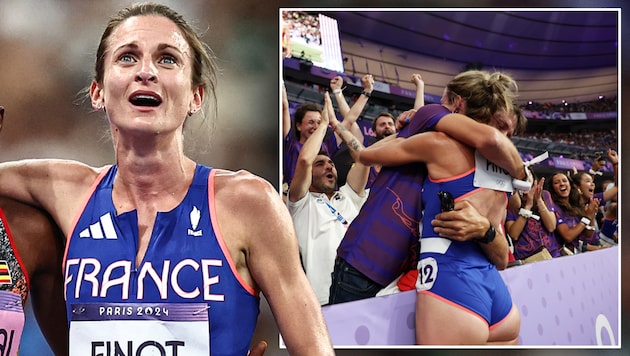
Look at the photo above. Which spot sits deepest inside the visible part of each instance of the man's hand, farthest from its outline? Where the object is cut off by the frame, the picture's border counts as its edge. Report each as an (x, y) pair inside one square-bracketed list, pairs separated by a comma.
[(368, 83), (336, 83), (404, 118), (259, 349), (462, 224)]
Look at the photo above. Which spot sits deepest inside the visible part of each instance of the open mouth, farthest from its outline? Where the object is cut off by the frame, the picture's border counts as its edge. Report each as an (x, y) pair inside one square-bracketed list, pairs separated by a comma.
[(145, 100)]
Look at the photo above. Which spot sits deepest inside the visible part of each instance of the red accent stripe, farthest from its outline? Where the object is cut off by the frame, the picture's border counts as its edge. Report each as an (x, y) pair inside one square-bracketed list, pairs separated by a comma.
[(220, 238), (16, 253)]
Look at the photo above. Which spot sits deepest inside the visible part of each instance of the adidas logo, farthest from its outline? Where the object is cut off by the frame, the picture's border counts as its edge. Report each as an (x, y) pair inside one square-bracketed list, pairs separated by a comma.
[(102, 229)]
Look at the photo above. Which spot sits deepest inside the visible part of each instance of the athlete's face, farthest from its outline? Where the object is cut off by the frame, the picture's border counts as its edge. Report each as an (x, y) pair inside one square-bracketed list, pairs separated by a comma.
[(504, 122), (147, 82), (324, 175)]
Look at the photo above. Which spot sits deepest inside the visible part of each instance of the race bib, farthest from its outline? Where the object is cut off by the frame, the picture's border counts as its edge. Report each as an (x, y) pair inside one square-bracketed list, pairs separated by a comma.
[(139, 329), (427, 273), (489, 175), (11, 323)]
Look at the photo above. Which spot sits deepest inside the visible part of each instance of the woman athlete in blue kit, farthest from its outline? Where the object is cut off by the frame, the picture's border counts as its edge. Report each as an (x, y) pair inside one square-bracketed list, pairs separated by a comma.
[(461, 298)]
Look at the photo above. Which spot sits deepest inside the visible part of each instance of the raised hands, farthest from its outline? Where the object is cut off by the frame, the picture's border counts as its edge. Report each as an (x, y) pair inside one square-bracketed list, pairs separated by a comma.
[(336, 83), (328, 114), (368, 83), (416, 79), (591, 208), (536, 191), (612, 156)]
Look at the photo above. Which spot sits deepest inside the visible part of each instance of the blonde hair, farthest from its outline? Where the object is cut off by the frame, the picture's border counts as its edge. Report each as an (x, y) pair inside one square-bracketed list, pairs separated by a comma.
[(484, 93)]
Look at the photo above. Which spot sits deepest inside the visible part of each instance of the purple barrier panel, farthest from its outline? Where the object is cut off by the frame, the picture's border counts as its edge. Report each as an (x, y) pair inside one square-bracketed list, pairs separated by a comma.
[(567, 301), (570, 300), (380, 321)]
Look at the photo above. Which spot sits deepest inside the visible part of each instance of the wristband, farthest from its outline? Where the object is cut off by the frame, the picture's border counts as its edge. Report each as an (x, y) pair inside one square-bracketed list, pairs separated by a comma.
[(525, 213), (489, 235), (589, 227), (528, 214), (336, 91), (526, 184), (366, 93), (586, 221), (521, 184)]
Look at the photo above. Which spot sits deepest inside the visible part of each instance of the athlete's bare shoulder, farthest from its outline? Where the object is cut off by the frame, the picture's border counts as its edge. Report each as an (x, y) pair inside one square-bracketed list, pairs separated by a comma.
[(245, 199), (242, 184)]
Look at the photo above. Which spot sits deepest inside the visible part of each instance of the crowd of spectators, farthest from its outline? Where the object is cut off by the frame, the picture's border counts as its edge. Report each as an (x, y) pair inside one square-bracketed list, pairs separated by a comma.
[(602, 104), (302, 25), (586, 141)]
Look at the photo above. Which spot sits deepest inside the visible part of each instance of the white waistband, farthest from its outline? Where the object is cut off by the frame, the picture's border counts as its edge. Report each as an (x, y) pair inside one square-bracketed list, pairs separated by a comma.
[(434, 245)]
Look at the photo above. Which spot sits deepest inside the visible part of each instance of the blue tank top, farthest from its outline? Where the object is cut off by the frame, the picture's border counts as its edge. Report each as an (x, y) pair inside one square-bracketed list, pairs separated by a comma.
[(186, 251), (459, 186), (382, 241)]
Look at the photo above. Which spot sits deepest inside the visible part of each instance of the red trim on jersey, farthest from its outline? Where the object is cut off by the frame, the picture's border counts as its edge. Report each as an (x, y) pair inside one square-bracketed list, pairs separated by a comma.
[(15, 251), (220, 238), (73, 226)]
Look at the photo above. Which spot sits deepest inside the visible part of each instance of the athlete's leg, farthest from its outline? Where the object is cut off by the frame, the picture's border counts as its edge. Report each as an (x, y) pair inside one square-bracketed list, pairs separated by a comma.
[(441, 322), (506, 331)]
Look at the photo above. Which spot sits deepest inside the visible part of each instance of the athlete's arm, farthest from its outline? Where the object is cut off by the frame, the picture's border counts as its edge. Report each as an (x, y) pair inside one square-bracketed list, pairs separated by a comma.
[(398, 151), (259, 232), (50, 184), (40, 245), (489, 141)]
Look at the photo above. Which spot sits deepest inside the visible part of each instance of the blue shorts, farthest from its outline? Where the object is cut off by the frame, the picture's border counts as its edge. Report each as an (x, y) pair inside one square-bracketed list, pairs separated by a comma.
[(459, 272)]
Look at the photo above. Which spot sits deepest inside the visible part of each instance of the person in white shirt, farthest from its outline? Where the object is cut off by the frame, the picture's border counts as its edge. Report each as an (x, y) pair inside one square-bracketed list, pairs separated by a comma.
[(321, 213)]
